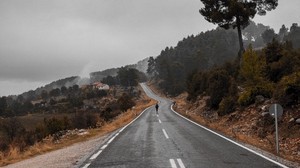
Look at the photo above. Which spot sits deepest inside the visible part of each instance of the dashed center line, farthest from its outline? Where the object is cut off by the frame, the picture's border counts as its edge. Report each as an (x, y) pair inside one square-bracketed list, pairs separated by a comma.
[(165, 133), (180, 163), (159, 121), (174, 165)]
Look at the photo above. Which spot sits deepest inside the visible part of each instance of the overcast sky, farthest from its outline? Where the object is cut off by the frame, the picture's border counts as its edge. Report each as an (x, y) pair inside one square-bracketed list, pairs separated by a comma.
[(46, 40)]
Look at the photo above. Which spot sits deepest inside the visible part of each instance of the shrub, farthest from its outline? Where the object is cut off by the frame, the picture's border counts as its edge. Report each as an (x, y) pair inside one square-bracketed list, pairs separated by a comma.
[(125, 102), (53, 125), (218, 87), (248, 97), (85, 120), (226, 106), (245, 98), (288, 90)]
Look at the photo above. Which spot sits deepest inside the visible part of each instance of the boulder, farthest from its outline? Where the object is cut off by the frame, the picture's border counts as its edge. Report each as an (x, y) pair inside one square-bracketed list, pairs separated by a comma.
[(297, 121), (292, 120)]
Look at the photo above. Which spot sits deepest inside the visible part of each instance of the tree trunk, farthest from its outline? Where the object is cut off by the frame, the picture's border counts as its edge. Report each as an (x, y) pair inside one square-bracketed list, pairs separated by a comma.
[(240, 38)]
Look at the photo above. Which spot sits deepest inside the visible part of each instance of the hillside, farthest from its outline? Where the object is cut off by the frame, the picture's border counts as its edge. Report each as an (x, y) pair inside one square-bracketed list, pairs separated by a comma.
[(99, 75), (211, 49), (233, 97)]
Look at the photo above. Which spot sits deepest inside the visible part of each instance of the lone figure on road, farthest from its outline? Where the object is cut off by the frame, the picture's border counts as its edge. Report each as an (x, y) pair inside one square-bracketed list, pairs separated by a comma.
[(156, 107)]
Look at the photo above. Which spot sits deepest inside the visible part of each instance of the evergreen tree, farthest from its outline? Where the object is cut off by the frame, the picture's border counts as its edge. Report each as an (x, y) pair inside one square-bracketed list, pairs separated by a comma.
[(234, 13), (252, 67)]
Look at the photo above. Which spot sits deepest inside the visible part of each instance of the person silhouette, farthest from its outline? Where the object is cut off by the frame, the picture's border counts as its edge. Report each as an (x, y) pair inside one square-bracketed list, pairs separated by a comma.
[(156, 107)]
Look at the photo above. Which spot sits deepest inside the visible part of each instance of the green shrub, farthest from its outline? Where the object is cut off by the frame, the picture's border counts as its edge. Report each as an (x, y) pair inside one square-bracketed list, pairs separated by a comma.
[(226, 106), (248, 97), (288, 90), (245, 98), (219, 82)]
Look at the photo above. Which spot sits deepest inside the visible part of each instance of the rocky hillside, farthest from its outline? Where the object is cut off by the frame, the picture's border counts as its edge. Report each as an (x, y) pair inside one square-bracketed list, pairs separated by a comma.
[(252, 125)]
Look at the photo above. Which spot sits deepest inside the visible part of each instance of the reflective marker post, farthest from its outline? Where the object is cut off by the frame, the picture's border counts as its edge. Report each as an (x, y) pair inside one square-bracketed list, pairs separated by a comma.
[(276, 111), (276, 127)]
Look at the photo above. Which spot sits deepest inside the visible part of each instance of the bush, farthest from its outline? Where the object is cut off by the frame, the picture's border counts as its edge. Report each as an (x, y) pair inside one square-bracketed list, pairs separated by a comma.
[(226, 106), (125, 102), (196, 85), (288, 90), (85, 120), (219, 82), (248, 97), (54, 125), (245, 98)]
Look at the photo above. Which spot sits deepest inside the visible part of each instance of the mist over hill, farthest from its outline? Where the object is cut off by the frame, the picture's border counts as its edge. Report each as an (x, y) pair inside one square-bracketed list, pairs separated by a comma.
[(192, 53)]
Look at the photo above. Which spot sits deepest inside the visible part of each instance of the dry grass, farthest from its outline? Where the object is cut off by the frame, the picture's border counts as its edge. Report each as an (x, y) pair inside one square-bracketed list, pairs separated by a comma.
[(14, 155)]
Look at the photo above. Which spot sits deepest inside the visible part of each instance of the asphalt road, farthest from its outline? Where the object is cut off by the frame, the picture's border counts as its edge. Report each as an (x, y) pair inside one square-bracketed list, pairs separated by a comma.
[(168, 140)]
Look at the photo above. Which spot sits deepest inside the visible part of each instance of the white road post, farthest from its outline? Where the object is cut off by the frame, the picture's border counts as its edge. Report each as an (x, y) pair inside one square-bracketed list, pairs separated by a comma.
[(276, 127)]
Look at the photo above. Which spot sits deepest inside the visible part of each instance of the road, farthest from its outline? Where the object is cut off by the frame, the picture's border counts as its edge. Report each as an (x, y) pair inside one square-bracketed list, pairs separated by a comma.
[(170, 141)]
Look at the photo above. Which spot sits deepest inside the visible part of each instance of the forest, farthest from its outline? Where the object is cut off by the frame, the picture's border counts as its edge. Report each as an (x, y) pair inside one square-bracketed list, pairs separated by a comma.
[(176, 68)]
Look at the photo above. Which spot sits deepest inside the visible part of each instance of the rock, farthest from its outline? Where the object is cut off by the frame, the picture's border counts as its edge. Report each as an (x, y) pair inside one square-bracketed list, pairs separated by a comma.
[(292, 120), (82, 130), (264, 113), (297, 121), (264, 108), (259, 99)]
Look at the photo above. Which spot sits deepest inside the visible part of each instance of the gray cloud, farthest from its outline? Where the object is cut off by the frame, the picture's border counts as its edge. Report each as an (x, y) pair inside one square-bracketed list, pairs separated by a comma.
[(45, 40)]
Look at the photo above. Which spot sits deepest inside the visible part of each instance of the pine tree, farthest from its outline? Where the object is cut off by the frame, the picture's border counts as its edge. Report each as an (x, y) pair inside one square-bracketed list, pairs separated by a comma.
[(252, 67), (235, 13)]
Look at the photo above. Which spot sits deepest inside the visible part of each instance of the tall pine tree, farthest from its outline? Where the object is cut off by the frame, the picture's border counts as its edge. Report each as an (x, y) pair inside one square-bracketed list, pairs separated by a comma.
[(235, 13)]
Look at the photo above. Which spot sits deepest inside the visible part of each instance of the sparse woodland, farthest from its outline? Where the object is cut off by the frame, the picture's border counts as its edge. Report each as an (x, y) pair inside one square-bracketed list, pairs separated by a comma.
[(27, 120)]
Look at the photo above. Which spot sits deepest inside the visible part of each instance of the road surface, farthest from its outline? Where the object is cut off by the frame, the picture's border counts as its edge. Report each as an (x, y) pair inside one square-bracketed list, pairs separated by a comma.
[(170, 141)]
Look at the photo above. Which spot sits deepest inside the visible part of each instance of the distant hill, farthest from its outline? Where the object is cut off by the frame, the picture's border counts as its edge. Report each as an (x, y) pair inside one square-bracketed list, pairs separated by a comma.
[(99, 75), (67, 82)]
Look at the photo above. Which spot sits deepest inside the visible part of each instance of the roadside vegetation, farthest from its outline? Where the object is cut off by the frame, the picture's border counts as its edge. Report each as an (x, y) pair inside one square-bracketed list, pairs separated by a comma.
[(215, 87), (63, 116)]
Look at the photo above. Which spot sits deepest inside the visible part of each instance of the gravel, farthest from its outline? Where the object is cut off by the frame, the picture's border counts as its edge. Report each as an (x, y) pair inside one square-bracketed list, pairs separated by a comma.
[(71, 156)]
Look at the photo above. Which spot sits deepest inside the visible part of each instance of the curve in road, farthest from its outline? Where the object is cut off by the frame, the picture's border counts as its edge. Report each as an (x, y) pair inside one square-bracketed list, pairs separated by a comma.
[(170, 140)]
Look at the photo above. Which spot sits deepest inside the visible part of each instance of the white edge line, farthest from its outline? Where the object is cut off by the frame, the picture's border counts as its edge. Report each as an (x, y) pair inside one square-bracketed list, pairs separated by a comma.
[(95, 155), (104, 146), (166, 135), (180, 163), (173, 164), (250, 150), (111, 139), (86, 165)]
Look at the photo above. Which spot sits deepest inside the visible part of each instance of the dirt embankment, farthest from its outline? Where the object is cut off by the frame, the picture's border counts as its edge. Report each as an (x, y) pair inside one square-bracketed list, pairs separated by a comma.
[(251, 125)]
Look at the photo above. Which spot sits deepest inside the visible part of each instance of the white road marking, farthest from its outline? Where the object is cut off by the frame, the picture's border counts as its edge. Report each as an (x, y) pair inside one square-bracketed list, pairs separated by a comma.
[(96, 155), (159, 121), (173, 164), (111, 139), (103, 147), (180, 163), (250, 150), (165, 133), (86, 165)]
